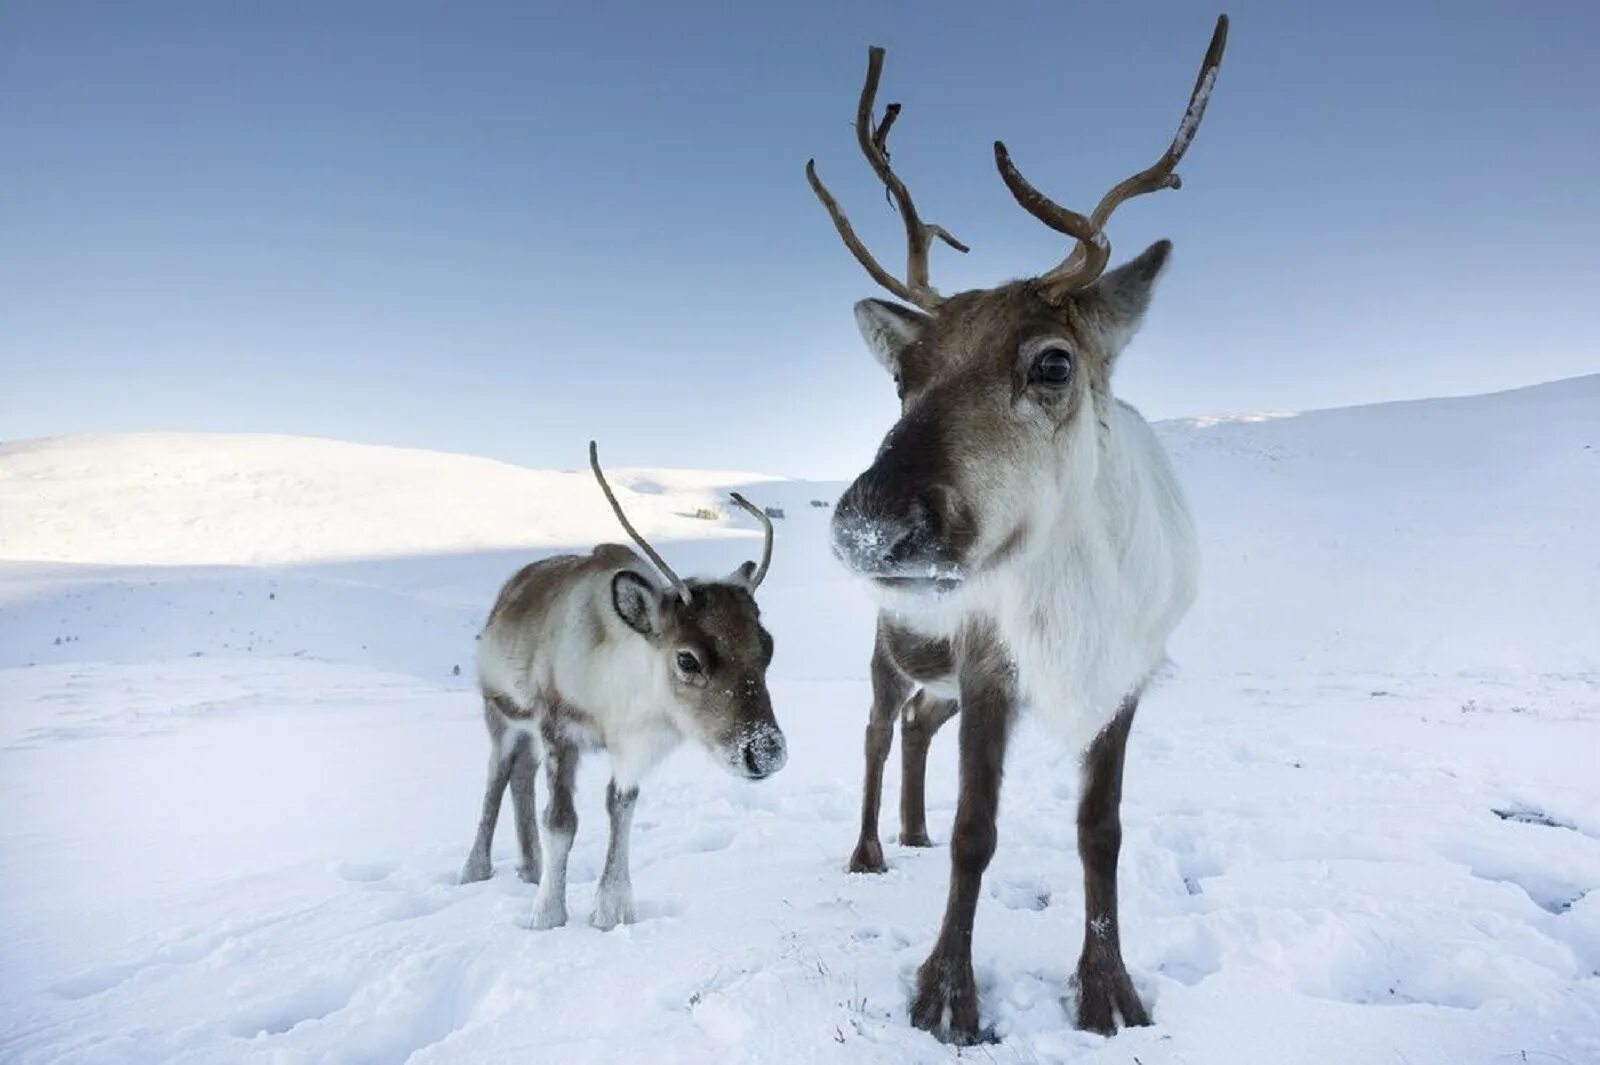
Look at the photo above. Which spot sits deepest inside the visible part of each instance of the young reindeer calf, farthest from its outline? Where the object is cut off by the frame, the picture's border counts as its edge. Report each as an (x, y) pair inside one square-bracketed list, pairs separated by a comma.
[(584, 652)]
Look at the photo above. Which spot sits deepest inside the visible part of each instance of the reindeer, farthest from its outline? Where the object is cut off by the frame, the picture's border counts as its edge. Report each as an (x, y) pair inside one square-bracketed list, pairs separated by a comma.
[(1025, 538), (591, 651)]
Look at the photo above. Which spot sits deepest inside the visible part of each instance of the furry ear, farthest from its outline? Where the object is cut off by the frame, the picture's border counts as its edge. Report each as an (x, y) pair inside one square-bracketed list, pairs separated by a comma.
[(1120, 297), (637, 602), (743, 574), (888, 329)]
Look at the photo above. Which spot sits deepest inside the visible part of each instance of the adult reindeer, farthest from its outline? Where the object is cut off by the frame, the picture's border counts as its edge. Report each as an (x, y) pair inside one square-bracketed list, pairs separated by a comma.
[(1026, 540)]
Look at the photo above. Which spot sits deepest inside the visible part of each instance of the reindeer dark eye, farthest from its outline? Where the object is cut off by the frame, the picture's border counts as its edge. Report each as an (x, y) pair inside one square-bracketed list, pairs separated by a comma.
[(1052, 367), (688, 662)]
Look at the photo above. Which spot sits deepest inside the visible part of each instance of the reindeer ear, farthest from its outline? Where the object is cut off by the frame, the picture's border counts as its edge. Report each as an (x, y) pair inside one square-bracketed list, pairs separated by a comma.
[(888, 329), (1118, 300), (637, 602), (743, 574)]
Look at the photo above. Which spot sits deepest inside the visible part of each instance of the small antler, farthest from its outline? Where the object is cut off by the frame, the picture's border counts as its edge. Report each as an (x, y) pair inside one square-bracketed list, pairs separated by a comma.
[(766, 525), (874, 141), (1092, 252), (616, 508)]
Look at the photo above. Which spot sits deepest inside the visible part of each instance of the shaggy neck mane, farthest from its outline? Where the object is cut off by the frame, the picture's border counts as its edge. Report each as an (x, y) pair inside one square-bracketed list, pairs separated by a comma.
[(1086, 615)]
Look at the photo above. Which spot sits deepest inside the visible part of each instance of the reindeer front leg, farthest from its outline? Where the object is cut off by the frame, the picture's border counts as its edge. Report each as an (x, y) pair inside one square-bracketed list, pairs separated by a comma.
[(560, 825), (946, 1003), (1104, 990), (613, 901)]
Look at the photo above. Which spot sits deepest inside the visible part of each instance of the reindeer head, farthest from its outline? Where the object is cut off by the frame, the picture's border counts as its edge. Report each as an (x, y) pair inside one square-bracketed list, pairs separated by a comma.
[(710, 647), (1003, 391)]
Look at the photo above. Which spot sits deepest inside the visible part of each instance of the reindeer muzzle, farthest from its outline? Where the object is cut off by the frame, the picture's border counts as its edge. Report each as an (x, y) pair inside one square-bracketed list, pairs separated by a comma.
[(898, 538), (762, 753)]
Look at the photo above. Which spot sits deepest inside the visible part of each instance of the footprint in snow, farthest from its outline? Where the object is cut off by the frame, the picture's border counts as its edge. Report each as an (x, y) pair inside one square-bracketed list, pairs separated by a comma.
[(1529, 815), (1191, 855), (422, 1001), (1021, 893), (365, 872), (655, 909), (1192, 954), (101, 979), (322, 996), (1552, 893), (870, 935), (709, 838), (406, 906)]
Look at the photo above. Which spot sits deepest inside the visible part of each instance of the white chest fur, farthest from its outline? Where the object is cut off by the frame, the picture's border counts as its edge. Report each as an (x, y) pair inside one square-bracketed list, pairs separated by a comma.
[(1087, 619), (1086, 613)]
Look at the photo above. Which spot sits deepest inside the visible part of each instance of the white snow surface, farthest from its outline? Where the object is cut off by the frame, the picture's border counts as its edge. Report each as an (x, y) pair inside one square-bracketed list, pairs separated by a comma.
[(219, 499), (239, 773)]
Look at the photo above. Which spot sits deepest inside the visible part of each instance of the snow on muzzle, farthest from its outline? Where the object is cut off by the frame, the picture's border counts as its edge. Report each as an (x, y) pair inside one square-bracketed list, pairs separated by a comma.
[(759, 752), (917, 540)]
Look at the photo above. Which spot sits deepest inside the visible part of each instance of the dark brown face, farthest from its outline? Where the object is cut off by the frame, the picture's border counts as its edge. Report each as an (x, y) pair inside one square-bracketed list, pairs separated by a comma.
[(1000, 398), (716, 657)]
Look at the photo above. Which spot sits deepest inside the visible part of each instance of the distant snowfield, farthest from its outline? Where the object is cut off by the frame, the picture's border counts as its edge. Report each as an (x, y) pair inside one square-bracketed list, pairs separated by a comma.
[(218, 499), (239, 771)]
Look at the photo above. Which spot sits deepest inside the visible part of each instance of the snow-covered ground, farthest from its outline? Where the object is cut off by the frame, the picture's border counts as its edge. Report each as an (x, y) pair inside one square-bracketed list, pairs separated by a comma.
[(239, 770)]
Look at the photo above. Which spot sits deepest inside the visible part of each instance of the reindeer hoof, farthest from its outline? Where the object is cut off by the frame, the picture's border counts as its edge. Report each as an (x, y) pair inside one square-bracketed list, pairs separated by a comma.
[(528, 874), (611, 910), (946, 1005), (1104, 994), (549, 914), (477, 869), (918, 838), (605, 922), (868, 858)]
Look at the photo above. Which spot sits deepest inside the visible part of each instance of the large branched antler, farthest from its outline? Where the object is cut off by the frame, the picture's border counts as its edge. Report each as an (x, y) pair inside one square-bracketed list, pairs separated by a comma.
[(1092, 251), (873, 137), (616, 508)]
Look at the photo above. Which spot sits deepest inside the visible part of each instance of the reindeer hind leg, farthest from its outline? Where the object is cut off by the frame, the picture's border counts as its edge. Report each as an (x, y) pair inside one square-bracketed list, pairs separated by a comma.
[(922, 717), (524, 764), (479, 865), (889, 691)]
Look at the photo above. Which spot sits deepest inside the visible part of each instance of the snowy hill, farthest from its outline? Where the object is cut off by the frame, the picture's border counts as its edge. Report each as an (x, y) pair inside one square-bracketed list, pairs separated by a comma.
[(1438, 534), (345, 552), (210, 499), (239, 770)]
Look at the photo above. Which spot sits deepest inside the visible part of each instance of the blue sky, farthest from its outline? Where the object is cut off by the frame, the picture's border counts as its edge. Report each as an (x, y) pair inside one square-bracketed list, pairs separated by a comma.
[(505, 228)]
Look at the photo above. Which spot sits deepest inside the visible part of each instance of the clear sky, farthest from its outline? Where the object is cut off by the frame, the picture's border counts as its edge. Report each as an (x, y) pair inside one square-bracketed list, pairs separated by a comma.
[(504, 228)]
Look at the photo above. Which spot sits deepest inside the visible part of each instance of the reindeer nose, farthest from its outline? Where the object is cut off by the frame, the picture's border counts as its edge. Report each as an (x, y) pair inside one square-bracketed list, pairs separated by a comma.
[(764, 754), (879, 533)]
